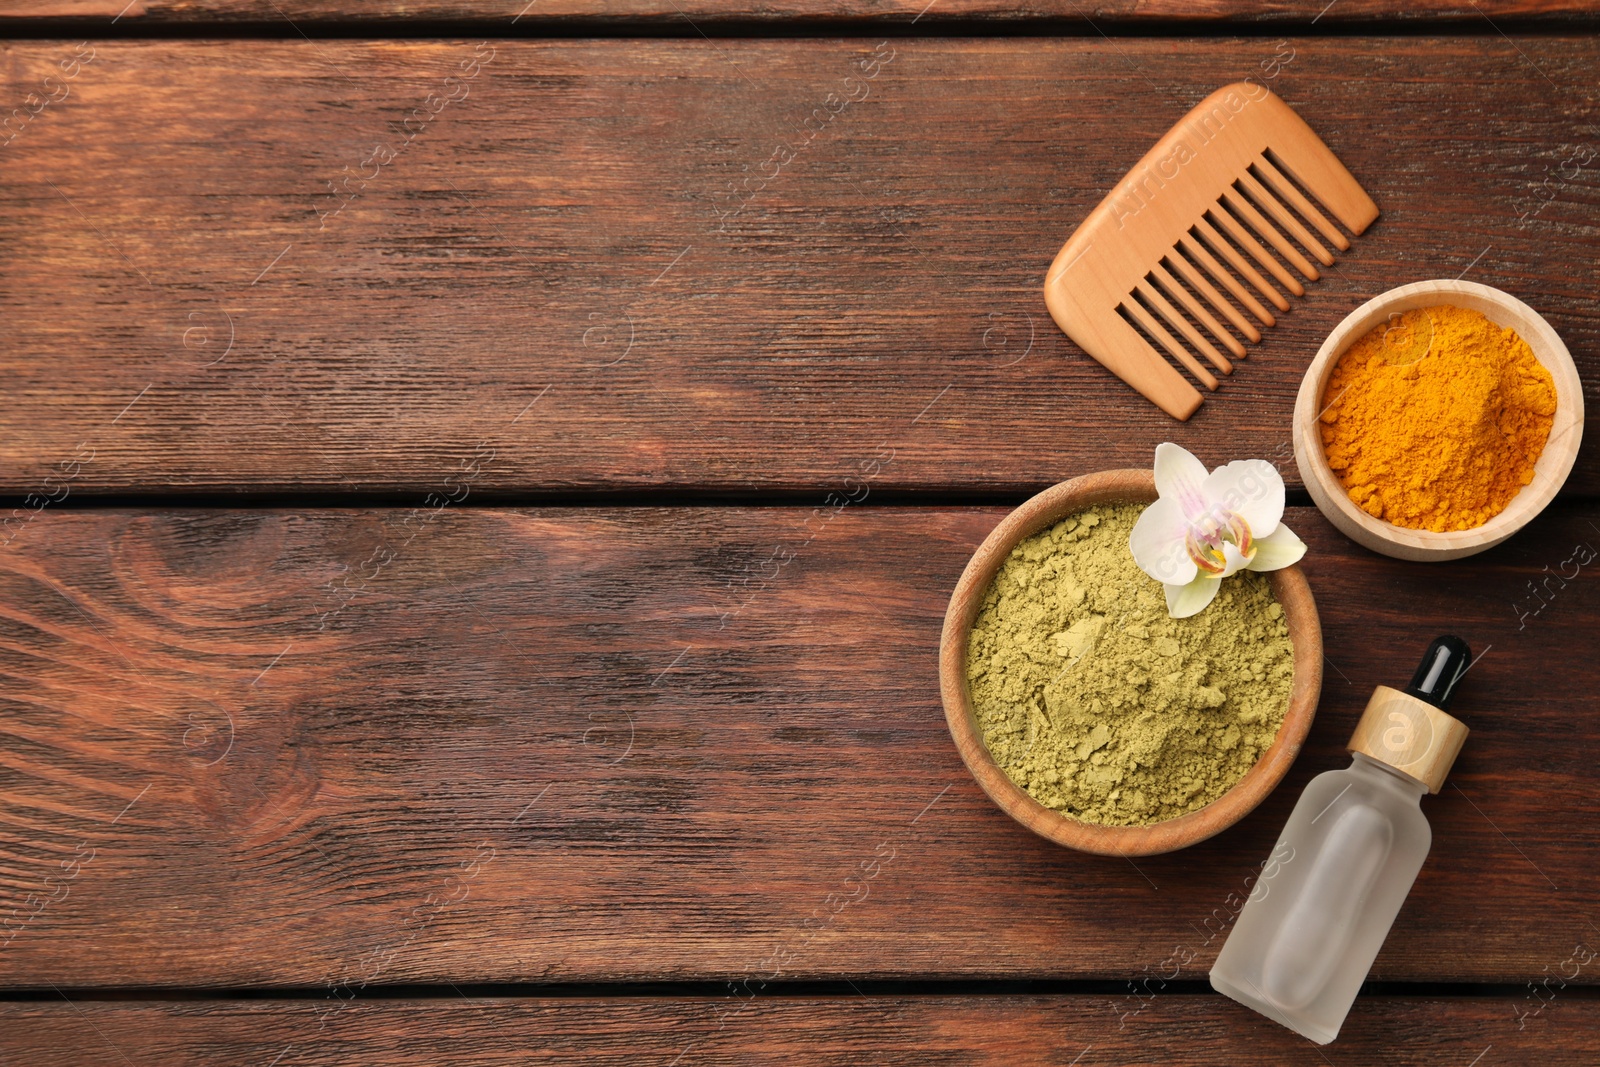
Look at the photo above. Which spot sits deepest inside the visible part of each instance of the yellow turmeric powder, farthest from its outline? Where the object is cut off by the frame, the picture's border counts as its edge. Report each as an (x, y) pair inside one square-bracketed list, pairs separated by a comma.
[(1435, 419)]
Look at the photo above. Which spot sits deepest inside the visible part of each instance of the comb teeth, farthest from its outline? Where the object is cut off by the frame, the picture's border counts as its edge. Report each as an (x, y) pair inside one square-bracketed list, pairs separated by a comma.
[(1242, 212), (1225, 215)]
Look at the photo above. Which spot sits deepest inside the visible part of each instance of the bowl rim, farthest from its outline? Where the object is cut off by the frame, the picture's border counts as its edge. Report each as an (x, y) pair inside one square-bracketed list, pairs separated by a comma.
[(1551, 470), (1289, 586)]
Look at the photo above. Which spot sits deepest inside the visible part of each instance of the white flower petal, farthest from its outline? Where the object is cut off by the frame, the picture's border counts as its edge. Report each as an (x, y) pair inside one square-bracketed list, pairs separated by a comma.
[(1181, 477), (1233, 560), (1157, 543), (1280, 549), (1250, 488), (1186, 600)]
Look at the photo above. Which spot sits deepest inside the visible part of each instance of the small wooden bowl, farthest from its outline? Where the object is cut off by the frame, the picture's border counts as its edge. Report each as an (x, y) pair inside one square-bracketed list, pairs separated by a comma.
[(1046, 509), (1554, 463)]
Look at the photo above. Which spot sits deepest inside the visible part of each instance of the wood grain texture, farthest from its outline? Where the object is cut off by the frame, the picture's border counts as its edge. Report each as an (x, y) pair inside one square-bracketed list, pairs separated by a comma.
[(1205, 1031), (595, 228), (502, 13), (342, 748)]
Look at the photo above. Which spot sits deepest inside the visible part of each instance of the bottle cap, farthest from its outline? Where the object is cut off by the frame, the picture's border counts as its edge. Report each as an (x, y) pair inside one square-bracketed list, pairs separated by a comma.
[(1410, 730)]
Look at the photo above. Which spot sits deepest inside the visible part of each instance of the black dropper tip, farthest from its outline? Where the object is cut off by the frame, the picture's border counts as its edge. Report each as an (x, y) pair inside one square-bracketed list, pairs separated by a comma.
[(1442, 666)]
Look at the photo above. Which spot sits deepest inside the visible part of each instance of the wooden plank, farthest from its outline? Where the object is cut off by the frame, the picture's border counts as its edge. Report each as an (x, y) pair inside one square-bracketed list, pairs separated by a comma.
[(501, 13), (339, 748), (694, 1032), (579, 269)]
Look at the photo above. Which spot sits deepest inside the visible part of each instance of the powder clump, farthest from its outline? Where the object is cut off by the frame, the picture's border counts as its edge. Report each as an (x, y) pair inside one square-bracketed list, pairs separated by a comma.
[(1101, 706), (1434, 420)]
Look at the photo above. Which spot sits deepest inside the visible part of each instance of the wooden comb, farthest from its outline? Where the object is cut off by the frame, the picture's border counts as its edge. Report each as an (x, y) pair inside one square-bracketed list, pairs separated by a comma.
[(1233, 166)]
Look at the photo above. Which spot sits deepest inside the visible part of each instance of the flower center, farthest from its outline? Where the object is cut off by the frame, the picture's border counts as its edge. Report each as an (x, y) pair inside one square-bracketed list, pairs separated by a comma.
[(1208, 533)]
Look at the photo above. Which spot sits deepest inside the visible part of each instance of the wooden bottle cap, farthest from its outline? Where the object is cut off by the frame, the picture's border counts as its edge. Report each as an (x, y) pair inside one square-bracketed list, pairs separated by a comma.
[(1410, 735)]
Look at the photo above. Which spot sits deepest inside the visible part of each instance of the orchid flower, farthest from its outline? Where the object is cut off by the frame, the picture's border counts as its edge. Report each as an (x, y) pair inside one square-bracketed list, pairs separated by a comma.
[(1206, 527)]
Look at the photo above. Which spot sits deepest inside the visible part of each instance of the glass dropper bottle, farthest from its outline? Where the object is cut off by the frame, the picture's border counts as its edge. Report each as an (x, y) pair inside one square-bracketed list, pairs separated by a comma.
[(1347, 858)]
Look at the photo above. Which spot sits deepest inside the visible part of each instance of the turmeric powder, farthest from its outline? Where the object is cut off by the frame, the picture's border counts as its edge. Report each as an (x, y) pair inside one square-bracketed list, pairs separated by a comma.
[(1434, 419)]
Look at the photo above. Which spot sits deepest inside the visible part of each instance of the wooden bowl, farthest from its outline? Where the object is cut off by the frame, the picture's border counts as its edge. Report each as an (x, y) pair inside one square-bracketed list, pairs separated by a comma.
[(1551, 470), (1046, 509)]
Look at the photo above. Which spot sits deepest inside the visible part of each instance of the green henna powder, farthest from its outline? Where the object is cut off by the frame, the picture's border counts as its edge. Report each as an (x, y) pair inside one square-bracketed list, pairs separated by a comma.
[(1100, 705)]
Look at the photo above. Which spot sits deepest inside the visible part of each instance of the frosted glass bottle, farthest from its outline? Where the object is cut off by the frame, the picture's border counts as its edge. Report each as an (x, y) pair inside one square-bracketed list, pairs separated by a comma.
[(1347, 858)]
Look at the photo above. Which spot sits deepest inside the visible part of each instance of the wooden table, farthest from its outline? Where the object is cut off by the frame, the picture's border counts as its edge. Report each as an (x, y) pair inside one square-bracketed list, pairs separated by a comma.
[(482, 487)]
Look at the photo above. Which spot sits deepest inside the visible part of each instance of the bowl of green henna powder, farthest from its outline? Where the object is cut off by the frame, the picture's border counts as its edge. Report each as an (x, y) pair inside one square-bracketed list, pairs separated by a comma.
[(1092, 717)]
